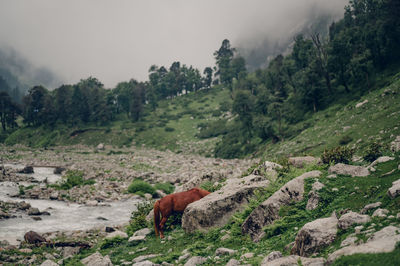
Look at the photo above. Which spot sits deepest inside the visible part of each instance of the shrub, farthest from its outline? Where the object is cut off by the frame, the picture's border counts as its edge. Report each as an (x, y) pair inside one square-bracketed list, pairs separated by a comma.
[(340, 154), (113, 242), (373, 151), (209, 186), (167, 188), (212, 129), (345, 140), (138, 217), (141, 187), (169, 129), (72, 179)]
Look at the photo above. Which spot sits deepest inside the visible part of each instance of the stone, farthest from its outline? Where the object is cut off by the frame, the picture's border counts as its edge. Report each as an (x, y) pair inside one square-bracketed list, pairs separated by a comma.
[(358, 229), (216, 209), (225, 237), (23, 205), (96, 259), (248, 255), (349, 241), (313, 200), (100, 147), (142, 232), (27, 170), (137, 238), (49, 263), (395, 145), (345, 169), (358, 105), (58, 170), (148, 196), (272, 256), (382, 159), (145, 263), (54, 195), (382, 241), (380, 213), (184, 256), (33, 211), (370, 206), (394, 190), (233, 262), (317, 186), (117, 234), (300, 162), (196, 260), (268, 211), (145, 257), (70, 251), (293, 261), (25, 250), (109, 229), (350, 218), (224, 251), (315, 235)]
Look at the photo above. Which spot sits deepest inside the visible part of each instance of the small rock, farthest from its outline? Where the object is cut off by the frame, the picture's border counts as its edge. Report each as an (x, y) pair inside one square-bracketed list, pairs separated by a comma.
[(97, 259), (224, 251), (370, 206), (247, 255), (100, 147), (33, 211), (145, 257), (358, 105), (36, 218), (233, 262), (358, 229), (144, 263), (24, 206), (272, 256), (137, 238), (109, 229), (148, 196), (117, 233), (380, 213), (25, 250), (345, 169), (54, 195), (394, 191), (332, 176), (27, 170), (349, 241), (49, 263), (142, 232), (351, 218), (196, 260), (225, 237), (184, 256), (395, 145)]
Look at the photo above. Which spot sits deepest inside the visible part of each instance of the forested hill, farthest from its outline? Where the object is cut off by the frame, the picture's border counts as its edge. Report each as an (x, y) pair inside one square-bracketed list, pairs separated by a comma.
[(240, 111)]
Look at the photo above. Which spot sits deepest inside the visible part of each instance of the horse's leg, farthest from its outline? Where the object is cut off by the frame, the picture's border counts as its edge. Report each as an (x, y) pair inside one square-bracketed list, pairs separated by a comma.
[(162, 223)]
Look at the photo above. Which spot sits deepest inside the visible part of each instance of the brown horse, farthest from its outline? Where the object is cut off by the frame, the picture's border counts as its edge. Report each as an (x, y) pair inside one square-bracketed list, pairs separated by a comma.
[(176, 202)]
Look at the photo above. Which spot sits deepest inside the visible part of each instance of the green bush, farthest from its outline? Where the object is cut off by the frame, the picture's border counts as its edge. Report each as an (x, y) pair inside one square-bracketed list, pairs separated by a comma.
[(209, 186), (373, 152), (169, 129), (167, 188), (141, 187), (212, 129), (138, 217), (110, 243), (345, 140), (340, 154), (72, 179)]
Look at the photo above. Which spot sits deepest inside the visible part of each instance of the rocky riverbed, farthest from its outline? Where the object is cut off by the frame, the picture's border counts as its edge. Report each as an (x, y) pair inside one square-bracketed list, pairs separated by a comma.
[(28, 200)]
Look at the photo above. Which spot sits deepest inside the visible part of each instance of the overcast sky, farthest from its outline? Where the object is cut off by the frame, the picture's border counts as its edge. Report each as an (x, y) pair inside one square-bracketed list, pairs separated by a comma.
[(116, 40)]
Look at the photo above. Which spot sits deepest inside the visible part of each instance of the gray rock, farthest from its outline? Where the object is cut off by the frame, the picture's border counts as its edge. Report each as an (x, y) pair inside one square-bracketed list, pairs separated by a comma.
[(358, 105), (54, 195), (380, 213), (381, 159), (100, 147), (70, 251), (97, 259), (380, 242), (394, 191), (145, 263), (145, 257), (300, 162), (142, 232), (117, 233), (233, 262), (34, 211), (224, 251), (196, 260), (268, 211), (216, 208), (313, 200), (370, 206), (247, 255), (315, 235), (349, 241), (49, 263), (293, 261), (272, 256), (350, 218), (345, 169), (137, 238), (395, 145)]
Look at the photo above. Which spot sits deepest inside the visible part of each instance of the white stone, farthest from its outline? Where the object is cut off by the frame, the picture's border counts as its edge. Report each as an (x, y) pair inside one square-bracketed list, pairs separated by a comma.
[(196, 260), (358, 105), (350, 218), (394, 191), (224, 251), (117, 233), (137, 238), (380, 213), (97, 259), (49, 263), (345, 169), (370, 206)]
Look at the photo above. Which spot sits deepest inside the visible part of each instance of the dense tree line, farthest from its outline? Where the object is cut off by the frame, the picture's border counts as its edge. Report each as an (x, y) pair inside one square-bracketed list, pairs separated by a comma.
[(317, 72)]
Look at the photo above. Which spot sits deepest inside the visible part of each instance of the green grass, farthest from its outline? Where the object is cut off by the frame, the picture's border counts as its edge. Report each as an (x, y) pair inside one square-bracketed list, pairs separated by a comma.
[(72, 179)]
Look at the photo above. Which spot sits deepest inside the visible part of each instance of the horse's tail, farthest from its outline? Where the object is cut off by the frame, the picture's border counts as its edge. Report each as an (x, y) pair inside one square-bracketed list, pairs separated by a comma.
[(157, 217)]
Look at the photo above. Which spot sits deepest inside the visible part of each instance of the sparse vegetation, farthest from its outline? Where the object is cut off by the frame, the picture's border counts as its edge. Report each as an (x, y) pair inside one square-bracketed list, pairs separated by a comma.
[(141, 187)]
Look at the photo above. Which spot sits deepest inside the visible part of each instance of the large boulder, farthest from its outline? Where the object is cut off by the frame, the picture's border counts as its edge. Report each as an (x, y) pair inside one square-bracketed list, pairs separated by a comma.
[(345, 169), (268, 211), (351, 218), (300, 162), (394, 190), (216, 208), (382, 159), (293, 261), (315, 235), (380, 242), (96, 259)]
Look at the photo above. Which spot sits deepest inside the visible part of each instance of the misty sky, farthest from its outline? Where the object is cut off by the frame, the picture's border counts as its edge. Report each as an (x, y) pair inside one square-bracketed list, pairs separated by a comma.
[(116, 40)]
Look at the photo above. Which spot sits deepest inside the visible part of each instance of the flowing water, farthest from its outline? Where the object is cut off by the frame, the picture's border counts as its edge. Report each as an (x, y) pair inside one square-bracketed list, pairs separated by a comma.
[(63, 216)]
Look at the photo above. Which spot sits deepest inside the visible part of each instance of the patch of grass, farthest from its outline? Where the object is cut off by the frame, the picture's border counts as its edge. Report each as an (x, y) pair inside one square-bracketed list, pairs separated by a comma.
[(389, 259), (138, 217), (211, 186), (141, 187), (166, 187), (72, 179)]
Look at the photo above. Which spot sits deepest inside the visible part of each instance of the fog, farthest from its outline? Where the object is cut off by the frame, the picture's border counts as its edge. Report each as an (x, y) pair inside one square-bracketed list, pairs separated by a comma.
[(119, 40)]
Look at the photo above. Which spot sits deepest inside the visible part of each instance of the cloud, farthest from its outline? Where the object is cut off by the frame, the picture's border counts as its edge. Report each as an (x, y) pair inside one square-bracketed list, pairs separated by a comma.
[(119, 40)]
